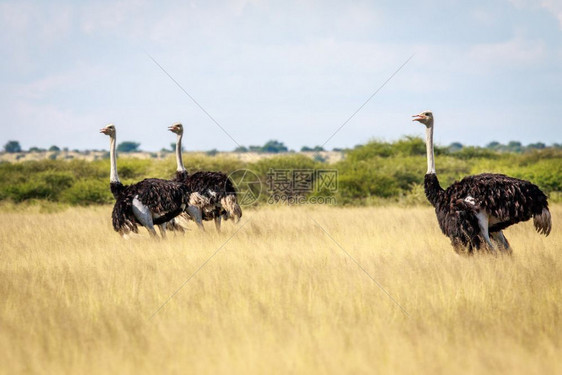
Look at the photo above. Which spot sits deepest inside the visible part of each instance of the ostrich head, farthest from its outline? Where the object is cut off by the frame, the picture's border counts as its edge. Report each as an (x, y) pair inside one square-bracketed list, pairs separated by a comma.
[(108, 130), (425, 117), (176, 128)]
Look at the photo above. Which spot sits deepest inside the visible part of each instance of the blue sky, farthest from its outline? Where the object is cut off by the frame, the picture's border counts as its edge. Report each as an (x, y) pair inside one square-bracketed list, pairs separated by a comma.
[(288, 70)]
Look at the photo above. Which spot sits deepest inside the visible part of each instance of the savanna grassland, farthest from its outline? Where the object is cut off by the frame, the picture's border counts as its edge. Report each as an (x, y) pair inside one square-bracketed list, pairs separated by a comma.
[(288, 290)]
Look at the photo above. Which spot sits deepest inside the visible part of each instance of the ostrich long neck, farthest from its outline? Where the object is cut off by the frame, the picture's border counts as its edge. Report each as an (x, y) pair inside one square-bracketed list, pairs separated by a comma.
[(113, 177), (179, 160), (429, 149), (433, 191)]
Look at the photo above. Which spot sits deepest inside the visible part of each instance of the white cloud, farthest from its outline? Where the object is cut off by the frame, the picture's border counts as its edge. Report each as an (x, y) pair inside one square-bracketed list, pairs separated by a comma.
[(554, 7), (26, 22), (288, 70), (16, 18), (45, 125), (125, 18), (29, 29), (514, 53), (69, 80)]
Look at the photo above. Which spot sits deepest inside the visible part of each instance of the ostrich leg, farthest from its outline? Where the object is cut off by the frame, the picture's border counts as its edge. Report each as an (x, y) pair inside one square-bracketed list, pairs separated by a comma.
[(162, 229), (500, 239), (142, 213), (504, 241), (483, 224), (196, 215), (218, 223)]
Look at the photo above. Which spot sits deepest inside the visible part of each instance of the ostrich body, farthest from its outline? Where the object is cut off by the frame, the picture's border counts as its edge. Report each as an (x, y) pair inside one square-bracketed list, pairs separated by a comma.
[(213, 193), (149, 202), (474, 211)]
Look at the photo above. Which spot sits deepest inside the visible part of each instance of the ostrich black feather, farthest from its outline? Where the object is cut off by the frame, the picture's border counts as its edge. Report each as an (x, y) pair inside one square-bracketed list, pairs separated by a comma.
[(508, 200), (218, 188), (165, 200)]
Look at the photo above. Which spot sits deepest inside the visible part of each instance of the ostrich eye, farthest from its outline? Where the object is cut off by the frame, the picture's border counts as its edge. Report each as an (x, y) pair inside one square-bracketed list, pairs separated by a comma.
[(428, 113)]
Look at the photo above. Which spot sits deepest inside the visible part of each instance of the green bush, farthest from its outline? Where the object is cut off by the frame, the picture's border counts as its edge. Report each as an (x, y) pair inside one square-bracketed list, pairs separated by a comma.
[(86, 192), (471, 152), (410, 146), (414, 197), (29, 190), (369, 151), (369, 174), (365, 179), (43, 185), (292, 162)]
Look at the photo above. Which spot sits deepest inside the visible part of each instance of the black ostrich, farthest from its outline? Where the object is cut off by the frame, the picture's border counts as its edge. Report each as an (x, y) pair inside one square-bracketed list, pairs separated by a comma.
[(474, 211), (149, 202), (213, 193)]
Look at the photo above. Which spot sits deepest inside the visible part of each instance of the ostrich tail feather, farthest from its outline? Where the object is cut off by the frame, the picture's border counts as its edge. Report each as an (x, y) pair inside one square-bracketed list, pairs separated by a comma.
[(230, 204), (543, 222), (199, 200)]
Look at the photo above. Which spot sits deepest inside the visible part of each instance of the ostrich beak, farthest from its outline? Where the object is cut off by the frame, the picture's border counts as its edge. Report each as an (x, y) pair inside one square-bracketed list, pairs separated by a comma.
[(418, 117), (171, 128), (102, 130)]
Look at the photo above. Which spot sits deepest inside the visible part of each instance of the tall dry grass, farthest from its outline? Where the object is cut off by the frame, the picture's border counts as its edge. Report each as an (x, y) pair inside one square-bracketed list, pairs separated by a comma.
[(279, 296)]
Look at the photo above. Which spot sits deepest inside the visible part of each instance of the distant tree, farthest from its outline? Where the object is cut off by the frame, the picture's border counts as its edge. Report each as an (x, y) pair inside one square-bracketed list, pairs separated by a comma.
[(173, 147), (455, 146), (515, 146), (36, 149), (494, 145), (12, 146), (312, 149), (241, 149), (337, 149), (319, 158), (54, 148), (538, 145), (128, 146), (469, 152), (274, 147), (212, 152), (255, 148)]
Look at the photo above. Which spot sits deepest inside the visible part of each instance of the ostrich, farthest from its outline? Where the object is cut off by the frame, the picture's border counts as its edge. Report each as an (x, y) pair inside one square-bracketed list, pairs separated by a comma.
[(474, 211), (148, 202), (212, 189)]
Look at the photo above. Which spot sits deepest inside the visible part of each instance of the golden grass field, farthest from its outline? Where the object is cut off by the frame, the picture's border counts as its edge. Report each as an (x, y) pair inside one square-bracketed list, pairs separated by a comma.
[(279, 296)]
